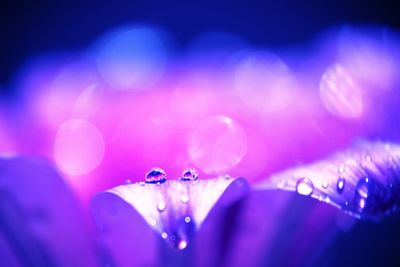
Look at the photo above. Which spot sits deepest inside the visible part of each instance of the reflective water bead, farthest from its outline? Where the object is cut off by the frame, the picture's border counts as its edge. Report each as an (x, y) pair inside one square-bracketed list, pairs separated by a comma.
[(363, 187), (187, 219), (340, 185), (325, 184), (304, 186), (156, 176), (185, 199), (182, 244), (161, 206), (164, 235), (189, 175)]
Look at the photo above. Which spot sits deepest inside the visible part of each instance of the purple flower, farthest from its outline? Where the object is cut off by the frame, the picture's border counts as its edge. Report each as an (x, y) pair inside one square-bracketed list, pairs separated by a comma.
[(194, 222)]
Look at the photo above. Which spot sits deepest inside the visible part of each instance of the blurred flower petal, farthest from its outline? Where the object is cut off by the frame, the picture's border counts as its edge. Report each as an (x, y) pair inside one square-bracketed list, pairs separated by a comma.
[(40, 217)]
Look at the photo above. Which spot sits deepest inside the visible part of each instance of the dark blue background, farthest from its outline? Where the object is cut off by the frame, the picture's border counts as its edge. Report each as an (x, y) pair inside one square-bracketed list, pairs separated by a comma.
[(30, 27)]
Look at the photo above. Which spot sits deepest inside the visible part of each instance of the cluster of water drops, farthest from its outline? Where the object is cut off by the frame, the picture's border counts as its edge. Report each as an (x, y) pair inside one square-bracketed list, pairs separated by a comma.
[(158, 176), (362, 188), (178, 237)]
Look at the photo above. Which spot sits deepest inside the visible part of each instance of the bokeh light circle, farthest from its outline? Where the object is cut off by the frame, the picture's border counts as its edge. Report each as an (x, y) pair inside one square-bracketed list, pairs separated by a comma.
[(217, 144), (264, 82), (132, 59), (79, 147), (340, 93)]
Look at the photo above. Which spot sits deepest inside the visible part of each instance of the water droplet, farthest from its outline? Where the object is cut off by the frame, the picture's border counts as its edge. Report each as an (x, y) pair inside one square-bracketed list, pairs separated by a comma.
[(156, 176), (142, 183), (340, 185), (189, 175), (187, 219), (325, 184), (362, 202), (182, 244), (185, 199), (161, 206), (304, 186), (164, 235), (327, 199), (363, 187), (153, 222)]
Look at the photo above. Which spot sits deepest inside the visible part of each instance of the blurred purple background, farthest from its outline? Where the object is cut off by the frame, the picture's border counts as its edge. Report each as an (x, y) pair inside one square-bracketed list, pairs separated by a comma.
[(107, 91)]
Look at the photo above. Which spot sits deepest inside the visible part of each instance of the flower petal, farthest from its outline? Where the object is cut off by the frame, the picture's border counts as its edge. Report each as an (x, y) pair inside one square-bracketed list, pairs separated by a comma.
[(124, 214), (40, 218), (363, 181)]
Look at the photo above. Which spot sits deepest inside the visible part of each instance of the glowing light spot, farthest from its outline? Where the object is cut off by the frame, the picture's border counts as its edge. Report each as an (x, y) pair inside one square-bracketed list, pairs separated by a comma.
[(79, 147), (304, 186), (340, 93), (185, 199), (217, 144), (132, 59), (264, 83), (161, 206), (164, 235), (187, 219), (182, 244)]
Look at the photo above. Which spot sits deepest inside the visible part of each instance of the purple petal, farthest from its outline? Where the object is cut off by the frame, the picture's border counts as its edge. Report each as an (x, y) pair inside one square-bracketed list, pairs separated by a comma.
[(130, 219), (40, 218), (362, 181)]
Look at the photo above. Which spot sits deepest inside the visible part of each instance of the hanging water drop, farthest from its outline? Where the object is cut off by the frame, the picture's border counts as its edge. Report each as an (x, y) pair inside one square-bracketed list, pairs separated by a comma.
[(184, 199), (325, 184), (182, 244), (304, 186), (364, 187), (161, 206), (156, 176), (340, 185), (189, 175), (187, 219)]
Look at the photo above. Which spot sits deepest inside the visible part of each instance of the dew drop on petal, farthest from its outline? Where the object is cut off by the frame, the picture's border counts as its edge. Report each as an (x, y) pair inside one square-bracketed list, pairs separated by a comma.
[(363, 187), (325, 184), (189, 175), (156, 176), (161, 206), (182, 244), (164, 235), (304, 186), (340, 185), (187, 219), (185, 199)]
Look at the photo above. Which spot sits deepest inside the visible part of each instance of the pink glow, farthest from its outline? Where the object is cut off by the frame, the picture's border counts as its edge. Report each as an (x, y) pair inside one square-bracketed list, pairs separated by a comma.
[(252, 115), (79, 147)]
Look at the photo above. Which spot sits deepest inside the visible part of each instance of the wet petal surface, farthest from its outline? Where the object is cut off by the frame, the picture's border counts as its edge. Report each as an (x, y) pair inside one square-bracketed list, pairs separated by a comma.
[(363, 181)]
